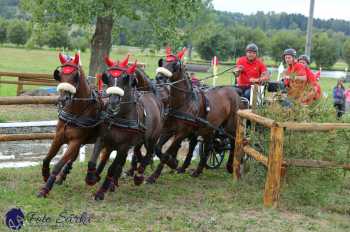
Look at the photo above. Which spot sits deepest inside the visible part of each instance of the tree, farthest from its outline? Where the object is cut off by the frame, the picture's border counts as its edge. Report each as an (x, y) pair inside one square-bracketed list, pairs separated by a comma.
[(57, 36), (346, 52), (18, 32), (163, 16), (282, 40), (3, 31), (324, 50), (215, 45)]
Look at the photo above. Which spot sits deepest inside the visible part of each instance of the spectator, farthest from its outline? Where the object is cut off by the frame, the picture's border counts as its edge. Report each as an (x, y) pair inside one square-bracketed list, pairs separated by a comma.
[(347, 100), (339, 98)]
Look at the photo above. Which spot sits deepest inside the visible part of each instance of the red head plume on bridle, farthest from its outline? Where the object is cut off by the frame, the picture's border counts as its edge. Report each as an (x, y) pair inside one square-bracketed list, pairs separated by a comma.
[(122, 65), (65, 61), (170, 57)]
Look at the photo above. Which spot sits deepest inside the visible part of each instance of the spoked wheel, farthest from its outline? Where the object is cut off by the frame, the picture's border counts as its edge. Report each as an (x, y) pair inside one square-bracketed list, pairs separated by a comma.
[(214, 158)]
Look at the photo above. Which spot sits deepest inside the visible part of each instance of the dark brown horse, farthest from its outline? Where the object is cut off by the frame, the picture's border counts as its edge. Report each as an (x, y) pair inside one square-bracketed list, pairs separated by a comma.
[(133, 119), (143, 83), (194, 112), (78, 117)]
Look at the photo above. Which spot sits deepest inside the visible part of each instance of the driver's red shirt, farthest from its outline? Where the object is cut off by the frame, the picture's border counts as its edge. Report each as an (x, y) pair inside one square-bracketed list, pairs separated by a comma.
[(251, 69)]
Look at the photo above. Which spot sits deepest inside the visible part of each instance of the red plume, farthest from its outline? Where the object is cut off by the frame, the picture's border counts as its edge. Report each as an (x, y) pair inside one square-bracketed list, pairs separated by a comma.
[(181, 53), (168, 51), (99, 82), (62, 58), (76, 58), (124, 62), (109, 62), (132, 68)]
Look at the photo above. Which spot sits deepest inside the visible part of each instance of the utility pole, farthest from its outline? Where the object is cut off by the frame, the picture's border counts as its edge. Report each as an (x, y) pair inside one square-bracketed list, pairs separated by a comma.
[(309, 29)]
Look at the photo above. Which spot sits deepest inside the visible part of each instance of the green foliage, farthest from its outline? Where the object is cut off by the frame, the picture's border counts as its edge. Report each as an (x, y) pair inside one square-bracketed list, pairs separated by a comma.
[(3, 30), (324, 50), (216, 45), (346, 52), (57, 36), (282, 40), (18, 32), (79, 43)]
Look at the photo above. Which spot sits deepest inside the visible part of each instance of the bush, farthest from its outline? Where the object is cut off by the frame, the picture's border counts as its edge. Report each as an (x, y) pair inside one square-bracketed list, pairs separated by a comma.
[(285, 39), (38, 38), (57, 36), (18, 32)]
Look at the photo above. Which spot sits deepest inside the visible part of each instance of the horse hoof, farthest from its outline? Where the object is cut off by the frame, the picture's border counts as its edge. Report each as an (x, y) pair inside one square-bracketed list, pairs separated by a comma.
[(195, 174), (138, 180), (59, 181), (99, 196), (229, 168), (42, 193), (181, 170), (151, 180), (91, 179)]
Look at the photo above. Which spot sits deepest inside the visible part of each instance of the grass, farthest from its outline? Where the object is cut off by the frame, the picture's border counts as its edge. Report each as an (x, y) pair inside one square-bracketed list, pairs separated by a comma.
[(212, 202)]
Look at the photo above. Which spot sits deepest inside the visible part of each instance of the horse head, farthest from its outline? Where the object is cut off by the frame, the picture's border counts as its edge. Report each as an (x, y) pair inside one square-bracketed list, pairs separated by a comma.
[(121, 80), (172, 68), (68, 75)]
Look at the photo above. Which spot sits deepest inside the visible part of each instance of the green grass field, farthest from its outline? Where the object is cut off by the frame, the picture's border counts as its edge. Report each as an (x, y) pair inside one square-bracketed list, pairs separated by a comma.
[(212, 202)]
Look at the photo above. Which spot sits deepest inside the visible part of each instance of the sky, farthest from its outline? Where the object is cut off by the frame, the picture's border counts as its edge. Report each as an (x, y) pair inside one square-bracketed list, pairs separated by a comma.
[(324, 9)]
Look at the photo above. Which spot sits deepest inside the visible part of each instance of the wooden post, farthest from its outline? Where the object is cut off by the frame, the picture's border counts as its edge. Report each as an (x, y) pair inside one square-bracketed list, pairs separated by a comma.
[(275, 159), (19, 86), (238, 152)]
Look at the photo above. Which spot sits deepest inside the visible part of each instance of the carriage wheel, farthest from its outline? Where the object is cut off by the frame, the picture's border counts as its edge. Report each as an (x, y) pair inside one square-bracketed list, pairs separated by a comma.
[(214, 158)]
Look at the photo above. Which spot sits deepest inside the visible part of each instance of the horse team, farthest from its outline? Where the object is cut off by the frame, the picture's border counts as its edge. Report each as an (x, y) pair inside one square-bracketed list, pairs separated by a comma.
[(138, 112)]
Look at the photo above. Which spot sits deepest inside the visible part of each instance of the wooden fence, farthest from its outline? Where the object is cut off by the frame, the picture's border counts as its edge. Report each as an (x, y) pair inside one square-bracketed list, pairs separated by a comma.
[(275, 163), (21, 79)]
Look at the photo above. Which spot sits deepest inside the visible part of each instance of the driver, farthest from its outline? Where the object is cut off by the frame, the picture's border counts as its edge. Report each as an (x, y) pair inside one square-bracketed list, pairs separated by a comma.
[(250, 70)]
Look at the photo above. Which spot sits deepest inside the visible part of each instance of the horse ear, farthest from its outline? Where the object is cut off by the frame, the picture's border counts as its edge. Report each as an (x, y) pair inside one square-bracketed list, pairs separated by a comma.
[(76, 60), (181, 53), (160, 62), (124, 62), (56, 75), (62, 58), (109, 62), (132, 68), (105, 78)]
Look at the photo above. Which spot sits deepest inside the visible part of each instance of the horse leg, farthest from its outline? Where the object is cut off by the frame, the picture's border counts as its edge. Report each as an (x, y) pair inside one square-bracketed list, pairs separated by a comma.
[(229, 164), (188, 159), (164, 159), (139, 176), (203, 158), (137, 156), (70, 154), (92, 177), (65, 171), (55, 146), (113, 173)]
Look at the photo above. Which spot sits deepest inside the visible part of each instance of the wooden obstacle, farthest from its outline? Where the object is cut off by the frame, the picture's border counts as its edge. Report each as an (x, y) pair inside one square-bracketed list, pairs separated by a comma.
[(22, 100), (275, 163), (27, 79), (21, 137)]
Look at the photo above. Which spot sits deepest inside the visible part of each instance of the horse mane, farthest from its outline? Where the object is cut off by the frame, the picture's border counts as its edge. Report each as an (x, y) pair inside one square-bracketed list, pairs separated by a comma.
[(141, 73)]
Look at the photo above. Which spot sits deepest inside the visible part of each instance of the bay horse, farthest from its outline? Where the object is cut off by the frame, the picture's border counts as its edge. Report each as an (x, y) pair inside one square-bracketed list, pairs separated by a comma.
[(194, 112), (133, 118), (78, 119), (143, 83)]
